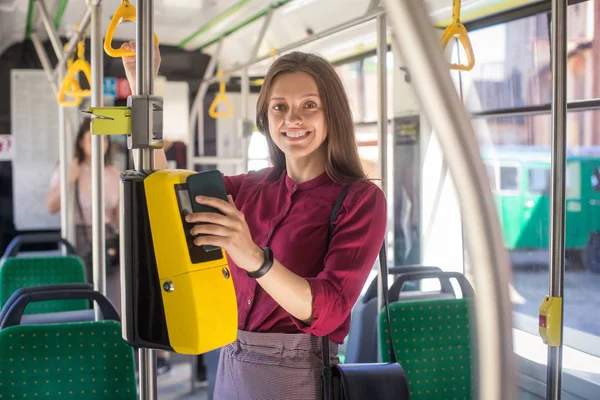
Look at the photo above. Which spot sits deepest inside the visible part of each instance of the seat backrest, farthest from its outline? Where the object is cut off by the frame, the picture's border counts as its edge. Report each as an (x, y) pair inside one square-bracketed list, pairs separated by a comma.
[(432, 343), (362, 344), (362, 340), (76, 360), (20, 272)]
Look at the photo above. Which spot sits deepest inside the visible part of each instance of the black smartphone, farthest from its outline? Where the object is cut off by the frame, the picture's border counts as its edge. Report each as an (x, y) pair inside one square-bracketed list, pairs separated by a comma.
[(208, 184)]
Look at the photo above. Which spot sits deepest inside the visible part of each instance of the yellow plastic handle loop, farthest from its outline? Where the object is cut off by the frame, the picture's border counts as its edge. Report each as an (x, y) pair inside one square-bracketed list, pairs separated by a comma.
[(74, 86), (221, 97), (125, 12), (457, 29), (78, 66)]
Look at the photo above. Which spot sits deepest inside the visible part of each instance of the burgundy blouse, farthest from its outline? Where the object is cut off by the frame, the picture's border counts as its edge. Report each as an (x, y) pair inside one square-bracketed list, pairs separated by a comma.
[(292, 219)]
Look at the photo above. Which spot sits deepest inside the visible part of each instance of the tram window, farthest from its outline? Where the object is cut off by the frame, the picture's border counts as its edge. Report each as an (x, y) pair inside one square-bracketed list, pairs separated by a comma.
[(258, 152), (595, 178), (509, 178), (539, 180)]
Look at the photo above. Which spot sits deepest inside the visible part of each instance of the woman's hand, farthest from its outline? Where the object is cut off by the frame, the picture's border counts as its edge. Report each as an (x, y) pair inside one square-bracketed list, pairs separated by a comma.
[(129, 63), (229, 231)]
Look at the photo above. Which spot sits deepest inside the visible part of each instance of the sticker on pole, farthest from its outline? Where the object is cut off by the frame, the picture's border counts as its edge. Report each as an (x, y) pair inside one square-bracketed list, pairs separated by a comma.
[(110, 87), (7, 148)]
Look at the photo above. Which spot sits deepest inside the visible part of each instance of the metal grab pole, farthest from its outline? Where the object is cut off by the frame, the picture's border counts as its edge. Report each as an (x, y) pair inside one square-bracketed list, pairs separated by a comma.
[(65, 226), (144, 54), (98, 227), (245, 140), (382, 122), (557, 207), (72, 44), (197, 110), (421, 51), (52, 35)]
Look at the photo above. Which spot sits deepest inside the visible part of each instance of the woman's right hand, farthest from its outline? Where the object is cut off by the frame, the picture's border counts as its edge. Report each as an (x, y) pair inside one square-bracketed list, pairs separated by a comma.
[(129, 63)]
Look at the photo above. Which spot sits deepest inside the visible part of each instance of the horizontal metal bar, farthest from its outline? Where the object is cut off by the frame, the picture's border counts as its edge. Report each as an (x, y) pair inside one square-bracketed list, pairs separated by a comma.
[(328, 32), (574, 106), (72, 45), (216, 160)]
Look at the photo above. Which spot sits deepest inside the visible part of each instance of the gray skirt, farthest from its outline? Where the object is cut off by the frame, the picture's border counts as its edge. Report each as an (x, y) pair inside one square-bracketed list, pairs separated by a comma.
[(271, 366)]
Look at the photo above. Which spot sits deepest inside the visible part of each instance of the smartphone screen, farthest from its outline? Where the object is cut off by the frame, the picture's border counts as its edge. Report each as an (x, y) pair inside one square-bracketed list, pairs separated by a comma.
[(208, 184), (197, 254)]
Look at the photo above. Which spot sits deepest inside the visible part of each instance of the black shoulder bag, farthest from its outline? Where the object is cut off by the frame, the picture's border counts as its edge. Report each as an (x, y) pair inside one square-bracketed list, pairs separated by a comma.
[(364, 381), (111, 255)]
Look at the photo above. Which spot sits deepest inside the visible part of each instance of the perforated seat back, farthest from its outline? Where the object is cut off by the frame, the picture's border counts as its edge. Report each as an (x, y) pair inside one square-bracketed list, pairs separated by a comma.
[(86, 360), (432, 343), (20, 272)]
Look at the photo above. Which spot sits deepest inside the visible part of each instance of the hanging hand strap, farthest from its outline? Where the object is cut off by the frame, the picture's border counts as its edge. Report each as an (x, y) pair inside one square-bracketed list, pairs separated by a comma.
[(457, 29), (384, 279)]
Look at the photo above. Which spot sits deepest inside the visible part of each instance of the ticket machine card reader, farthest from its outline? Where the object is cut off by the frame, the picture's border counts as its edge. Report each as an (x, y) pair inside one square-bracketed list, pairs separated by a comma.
[(178, 296)]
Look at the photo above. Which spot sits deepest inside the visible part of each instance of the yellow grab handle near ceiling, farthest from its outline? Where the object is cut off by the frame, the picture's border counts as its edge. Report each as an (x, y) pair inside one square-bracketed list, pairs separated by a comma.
[(457, 29), (70, 84), (220, 98), (125, 12)]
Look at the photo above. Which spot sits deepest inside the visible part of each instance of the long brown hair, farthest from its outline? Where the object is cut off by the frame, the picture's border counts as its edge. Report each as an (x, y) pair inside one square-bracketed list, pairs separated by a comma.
[(342, 164)]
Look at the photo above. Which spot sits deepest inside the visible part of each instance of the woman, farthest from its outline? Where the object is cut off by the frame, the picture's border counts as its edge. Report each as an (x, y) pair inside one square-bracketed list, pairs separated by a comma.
[(79, 178), (307, 289)]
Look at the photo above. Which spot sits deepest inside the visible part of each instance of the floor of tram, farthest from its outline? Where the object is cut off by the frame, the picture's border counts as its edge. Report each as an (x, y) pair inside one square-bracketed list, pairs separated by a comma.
[(177, 384)]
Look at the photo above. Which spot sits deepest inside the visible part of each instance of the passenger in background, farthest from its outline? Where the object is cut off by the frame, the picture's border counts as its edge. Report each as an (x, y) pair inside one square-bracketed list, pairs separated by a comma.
[(79, 178)]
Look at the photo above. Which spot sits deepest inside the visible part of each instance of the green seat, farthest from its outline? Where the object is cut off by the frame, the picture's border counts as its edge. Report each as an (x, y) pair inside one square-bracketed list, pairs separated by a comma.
[(432, 343), (84, 360), (20, 272)]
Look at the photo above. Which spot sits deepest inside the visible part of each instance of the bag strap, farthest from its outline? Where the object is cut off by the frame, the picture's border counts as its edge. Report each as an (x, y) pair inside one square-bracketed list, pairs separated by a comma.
[(383, 271), (80, 211)]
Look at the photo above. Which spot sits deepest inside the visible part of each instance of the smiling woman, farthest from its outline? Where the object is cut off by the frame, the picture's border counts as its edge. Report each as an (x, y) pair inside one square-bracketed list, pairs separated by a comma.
[(294, 283)]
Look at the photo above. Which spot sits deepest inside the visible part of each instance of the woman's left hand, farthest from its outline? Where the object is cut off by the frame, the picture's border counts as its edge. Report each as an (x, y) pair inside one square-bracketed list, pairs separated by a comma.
[(229, 231)]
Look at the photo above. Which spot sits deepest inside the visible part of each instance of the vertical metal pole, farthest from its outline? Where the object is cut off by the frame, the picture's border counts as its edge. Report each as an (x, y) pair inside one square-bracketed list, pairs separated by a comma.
[(98, 228), (66, 227), (144, 53), (382, 119), (245, 140), (557, 208), (64, 164), (197, 110)]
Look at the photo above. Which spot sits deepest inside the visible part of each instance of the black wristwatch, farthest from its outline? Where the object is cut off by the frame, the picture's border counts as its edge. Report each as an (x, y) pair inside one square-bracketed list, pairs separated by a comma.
[(265, 267)]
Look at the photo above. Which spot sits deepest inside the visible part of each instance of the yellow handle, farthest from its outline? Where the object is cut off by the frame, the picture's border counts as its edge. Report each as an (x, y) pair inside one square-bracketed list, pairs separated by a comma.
[(78, 66), (125, 12), (457, 29), (74, 85), (221, 97), (550, 318)]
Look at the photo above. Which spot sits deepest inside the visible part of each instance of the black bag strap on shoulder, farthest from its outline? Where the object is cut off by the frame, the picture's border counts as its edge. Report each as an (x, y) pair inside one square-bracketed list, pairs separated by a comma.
[(86, 237), (384, 279)]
